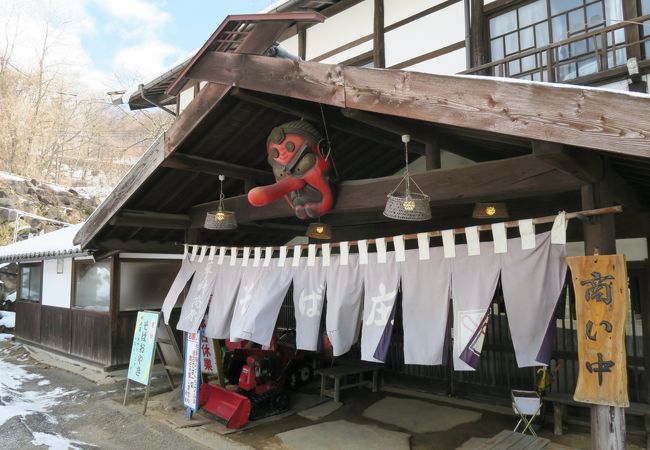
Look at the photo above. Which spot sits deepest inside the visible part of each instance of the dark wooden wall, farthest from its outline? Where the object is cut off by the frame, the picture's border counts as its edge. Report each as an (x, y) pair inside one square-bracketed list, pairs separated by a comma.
[(55, 328), (28, 321), (90, 335), (79, 333)]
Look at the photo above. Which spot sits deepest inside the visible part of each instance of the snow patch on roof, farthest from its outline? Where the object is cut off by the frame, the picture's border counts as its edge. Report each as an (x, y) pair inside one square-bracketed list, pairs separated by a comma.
[(55, 243)]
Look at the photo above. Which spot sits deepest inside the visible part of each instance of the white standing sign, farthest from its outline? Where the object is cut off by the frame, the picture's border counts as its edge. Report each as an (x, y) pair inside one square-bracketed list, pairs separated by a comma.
[(192, 374)]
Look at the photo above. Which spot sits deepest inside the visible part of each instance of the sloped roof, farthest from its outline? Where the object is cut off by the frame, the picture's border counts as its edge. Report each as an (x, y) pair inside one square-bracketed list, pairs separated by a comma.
[(52, 244)]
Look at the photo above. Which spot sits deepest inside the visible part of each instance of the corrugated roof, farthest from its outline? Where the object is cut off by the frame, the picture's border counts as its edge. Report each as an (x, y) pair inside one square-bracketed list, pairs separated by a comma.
[(54, 243)]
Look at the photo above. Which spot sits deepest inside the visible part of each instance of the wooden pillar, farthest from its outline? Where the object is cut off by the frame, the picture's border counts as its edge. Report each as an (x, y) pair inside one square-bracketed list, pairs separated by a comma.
[(478, 49), (645, 315), (378, 48), (607, 422), (432, 155), (302, 42)]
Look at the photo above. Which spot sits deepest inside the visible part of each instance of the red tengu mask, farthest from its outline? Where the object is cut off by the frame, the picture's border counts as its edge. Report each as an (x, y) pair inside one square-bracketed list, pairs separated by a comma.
[(302, 174)]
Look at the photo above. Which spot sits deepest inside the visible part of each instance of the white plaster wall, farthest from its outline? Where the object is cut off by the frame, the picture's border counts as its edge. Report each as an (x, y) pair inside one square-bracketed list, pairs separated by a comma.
[(340, 29), (432, 32), (57, 286), (396, 10), (348, 54), (291, 45), (186, 96), (634, 249), (447, 64)]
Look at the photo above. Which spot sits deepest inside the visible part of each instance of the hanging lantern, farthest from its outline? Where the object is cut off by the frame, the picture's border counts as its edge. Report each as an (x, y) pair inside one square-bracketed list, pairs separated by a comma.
[(493, 210), (220, 219), (407, 204), (319, 230)]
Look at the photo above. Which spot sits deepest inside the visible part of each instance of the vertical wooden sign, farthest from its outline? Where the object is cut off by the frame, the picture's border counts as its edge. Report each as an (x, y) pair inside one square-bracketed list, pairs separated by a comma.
[(600, 285)]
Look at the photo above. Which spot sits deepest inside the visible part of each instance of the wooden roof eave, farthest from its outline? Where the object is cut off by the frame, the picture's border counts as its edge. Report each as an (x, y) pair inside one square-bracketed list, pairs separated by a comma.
[(572, 115)]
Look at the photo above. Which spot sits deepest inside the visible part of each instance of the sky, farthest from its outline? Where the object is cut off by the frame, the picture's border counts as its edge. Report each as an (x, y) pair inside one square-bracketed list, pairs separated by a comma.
[(112, 44)]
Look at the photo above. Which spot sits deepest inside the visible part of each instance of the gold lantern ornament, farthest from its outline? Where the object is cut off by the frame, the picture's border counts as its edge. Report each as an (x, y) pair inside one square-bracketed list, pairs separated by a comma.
[(491, 210), (319, 230), (220, 219), (407, 201)]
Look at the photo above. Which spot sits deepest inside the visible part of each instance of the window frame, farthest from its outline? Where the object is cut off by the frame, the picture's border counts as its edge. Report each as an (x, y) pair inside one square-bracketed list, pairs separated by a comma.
[(19, 287), (73, 290), (119, 262), (500, 8)]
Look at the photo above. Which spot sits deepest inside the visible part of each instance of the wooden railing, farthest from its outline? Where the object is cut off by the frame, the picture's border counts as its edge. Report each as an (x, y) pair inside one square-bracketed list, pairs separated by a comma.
[(559, 62)]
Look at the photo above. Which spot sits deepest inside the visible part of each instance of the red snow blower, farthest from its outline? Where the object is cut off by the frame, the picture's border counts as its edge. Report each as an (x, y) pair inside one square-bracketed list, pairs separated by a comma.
[(263, 376)]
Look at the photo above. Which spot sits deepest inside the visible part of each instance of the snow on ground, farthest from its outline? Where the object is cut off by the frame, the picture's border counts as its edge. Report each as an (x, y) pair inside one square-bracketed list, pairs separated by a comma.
[(11, 297), (8, 319), (56, 441), (11, 176), (5, 336), (18, 403)]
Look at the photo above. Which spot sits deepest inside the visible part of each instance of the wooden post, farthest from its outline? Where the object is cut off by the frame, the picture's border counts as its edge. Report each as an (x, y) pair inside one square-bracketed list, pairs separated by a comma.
[(216, 344), (477, 33), (302, 42), (607, 422), (378, 48), (432, 155)]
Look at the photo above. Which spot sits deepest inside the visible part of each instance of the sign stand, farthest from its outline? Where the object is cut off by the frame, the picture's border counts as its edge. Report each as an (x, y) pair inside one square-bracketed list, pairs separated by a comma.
[(148, 341)]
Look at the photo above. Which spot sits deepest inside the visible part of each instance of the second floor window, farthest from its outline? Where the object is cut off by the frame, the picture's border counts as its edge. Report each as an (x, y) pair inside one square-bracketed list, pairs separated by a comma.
[(542, 22)]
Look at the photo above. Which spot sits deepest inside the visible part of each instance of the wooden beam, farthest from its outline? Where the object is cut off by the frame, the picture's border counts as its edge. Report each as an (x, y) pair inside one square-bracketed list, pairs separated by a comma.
[(200, 164), (590, 168), (150, 219), (321, 83), (367, 132), (129, 184), (266, 30), (596, 119), (419, 134), (519, 177), (432, 155), (139, 246), (378, 45)]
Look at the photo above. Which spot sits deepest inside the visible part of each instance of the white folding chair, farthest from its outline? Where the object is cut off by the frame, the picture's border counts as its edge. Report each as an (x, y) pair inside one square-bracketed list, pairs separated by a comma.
[(527, 404)]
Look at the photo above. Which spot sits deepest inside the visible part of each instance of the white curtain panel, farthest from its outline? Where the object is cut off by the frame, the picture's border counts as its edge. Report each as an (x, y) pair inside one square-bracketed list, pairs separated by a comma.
[(381, 282), (473, 283), (182, 277), (344, 294), (532, 281), (425, 305), (259, 300), (198, 296), (222, 304), (308, 298)]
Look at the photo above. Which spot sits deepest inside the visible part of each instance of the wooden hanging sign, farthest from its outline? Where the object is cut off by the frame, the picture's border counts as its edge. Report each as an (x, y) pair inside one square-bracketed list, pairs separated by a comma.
[(600, 285)]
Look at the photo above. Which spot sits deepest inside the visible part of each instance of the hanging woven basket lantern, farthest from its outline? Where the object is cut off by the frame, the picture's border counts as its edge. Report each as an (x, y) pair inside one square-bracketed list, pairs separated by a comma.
[(220, 219), (407, 201)]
